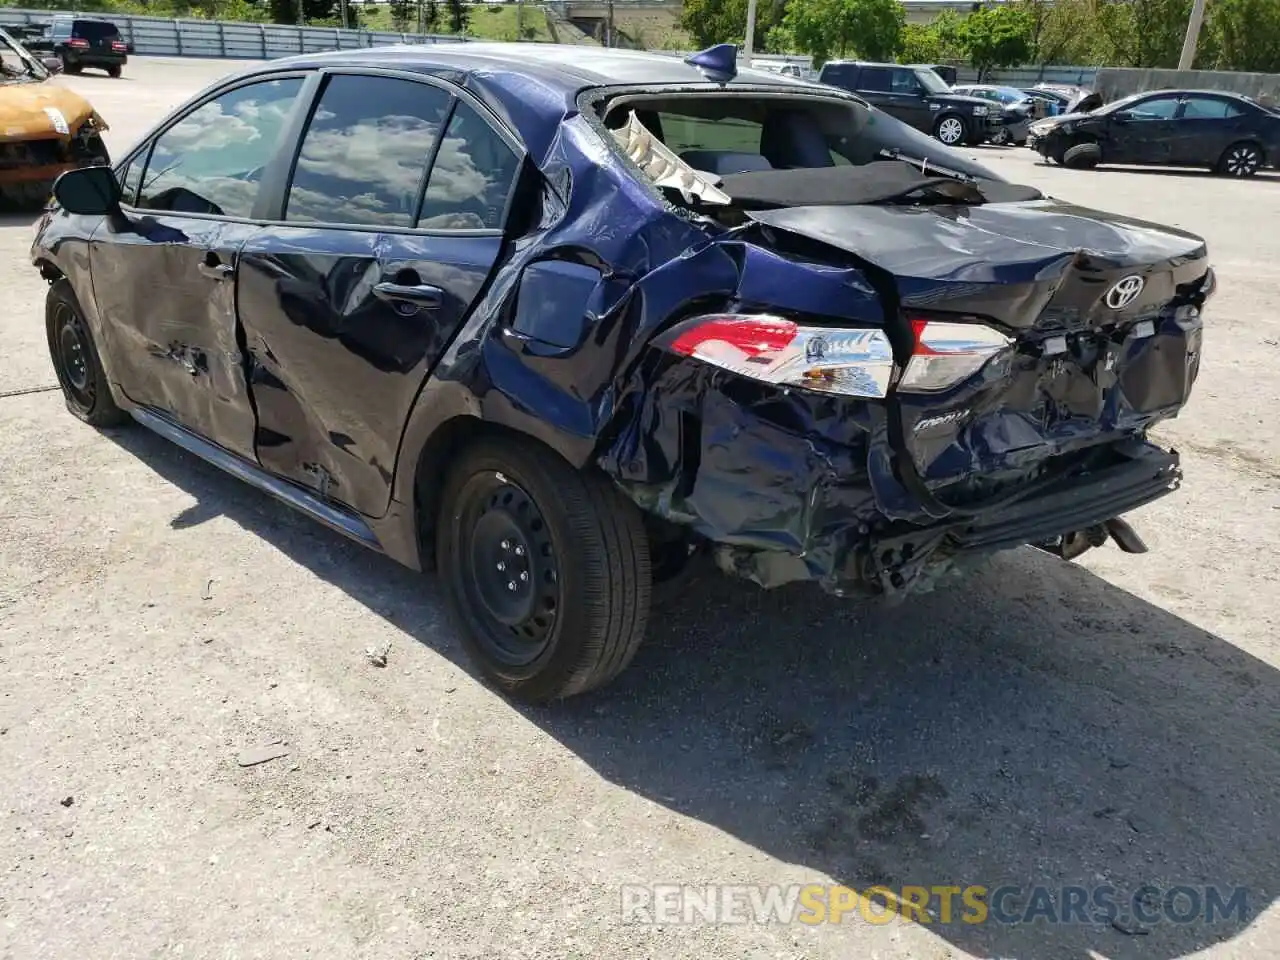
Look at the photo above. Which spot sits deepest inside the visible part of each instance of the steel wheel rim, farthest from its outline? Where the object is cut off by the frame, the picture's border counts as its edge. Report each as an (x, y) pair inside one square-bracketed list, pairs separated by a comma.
[(73, 356), (509, 574), (950, 131), (1242, 161)]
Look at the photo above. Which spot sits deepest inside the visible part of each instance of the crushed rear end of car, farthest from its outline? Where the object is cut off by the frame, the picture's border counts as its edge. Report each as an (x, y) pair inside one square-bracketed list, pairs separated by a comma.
[(886, 375)]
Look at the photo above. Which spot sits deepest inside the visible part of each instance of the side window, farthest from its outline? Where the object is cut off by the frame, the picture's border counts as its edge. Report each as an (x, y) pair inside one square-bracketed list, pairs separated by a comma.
[(472, 175), (874, 80), (130, 177), (839, 75), (365, 152), (1157, 108), (211, 160), (904, 81), (1209, 108)]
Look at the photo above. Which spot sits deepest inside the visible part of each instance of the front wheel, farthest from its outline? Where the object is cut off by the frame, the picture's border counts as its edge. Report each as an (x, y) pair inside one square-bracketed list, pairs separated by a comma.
[(546, 569), (75, 360), (1240, 160), (951, 130)]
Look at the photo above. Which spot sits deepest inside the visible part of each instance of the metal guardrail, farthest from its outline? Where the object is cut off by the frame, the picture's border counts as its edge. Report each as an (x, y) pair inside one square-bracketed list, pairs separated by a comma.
[(161, 37)]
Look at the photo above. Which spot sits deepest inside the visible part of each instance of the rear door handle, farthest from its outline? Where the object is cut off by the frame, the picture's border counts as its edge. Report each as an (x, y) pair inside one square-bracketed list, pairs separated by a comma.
[(423, 294)]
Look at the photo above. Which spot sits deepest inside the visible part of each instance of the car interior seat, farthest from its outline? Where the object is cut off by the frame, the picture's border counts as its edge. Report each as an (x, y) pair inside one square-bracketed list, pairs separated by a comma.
[(792, 139)]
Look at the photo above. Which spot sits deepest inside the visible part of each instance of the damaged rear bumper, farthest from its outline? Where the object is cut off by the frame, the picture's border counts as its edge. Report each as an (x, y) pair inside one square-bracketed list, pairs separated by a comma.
[(778, 505), (1139, 473)]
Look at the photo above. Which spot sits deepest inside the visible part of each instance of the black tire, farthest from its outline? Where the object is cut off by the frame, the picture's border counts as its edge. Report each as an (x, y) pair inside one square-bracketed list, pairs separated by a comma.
[(578, 558), (75, 360), (1243, 159), (114, 72), (951, 129), (1083, 156), (70, 66)]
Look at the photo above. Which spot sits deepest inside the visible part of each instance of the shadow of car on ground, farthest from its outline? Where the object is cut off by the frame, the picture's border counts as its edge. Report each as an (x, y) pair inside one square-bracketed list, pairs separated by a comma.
[(1033, 725)]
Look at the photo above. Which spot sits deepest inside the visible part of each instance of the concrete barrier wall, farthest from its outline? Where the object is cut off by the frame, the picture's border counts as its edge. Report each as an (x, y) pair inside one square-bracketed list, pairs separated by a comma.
[(1114, 82)]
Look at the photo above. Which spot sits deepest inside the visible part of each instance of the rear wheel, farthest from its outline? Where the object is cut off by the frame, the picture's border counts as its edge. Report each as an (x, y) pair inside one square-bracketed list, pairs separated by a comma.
[(70, 66), (951, 130), (1240, 160), (114, 71), (546, 570), (75, 360)]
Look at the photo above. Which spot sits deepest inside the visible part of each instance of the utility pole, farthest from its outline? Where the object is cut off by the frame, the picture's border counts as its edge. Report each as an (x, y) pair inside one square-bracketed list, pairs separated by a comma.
[(302, 20), (345, 22), (749, 43), (519, 20), (608, 37), (420, 23), (1193, 36)]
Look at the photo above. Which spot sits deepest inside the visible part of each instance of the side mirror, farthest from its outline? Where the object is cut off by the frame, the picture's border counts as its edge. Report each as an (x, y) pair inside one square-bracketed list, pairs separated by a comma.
[(88, 191), (52, 64)]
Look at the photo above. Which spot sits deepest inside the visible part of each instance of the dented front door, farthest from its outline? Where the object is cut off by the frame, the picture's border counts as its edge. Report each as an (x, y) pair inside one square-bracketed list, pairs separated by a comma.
[(167, 288)]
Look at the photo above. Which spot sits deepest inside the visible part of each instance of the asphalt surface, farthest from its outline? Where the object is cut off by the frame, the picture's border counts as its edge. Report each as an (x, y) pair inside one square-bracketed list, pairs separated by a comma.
[(1114, 721)]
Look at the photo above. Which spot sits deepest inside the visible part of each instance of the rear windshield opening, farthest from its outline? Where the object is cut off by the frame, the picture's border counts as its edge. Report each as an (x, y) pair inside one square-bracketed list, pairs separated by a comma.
[(722, 135)]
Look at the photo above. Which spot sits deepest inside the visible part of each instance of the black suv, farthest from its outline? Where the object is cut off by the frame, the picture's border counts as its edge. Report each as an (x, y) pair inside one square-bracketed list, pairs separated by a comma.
[(916, 95), (81, 42)]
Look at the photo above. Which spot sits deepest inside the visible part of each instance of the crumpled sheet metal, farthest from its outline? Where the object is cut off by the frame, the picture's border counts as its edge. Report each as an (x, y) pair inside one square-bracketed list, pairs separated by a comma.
[(782, 476)]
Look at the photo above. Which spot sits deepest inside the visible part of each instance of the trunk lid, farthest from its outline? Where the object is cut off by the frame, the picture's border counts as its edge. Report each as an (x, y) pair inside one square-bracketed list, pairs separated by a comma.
[(1102, 317)]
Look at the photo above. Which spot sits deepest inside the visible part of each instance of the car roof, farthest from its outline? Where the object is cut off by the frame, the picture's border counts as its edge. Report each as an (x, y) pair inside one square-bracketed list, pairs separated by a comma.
[(564, 66)]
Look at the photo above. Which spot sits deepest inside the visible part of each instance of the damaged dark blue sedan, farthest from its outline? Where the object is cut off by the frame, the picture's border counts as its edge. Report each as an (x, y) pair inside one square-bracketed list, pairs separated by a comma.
[(560, 322)]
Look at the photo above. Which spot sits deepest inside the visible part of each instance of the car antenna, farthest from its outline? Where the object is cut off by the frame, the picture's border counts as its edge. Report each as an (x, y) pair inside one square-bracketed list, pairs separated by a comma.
[(718, 64)]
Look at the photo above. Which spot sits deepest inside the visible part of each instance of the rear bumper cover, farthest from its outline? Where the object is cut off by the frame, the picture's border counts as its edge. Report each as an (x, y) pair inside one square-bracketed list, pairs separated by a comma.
[(1139, 473)]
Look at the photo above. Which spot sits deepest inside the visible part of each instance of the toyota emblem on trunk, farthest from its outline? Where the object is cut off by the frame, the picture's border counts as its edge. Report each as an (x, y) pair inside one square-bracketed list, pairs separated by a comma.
[(1125, 292)]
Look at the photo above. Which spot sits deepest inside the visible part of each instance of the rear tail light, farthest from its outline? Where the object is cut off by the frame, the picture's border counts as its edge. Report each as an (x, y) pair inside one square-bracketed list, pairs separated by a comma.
[(119, 46), (944, 353), (845, 361), (78, 43)]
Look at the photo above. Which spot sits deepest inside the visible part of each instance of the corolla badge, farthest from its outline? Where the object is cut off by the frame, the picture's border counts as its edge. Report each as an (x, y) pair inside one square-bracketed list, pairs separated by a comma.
[(1125, 292)]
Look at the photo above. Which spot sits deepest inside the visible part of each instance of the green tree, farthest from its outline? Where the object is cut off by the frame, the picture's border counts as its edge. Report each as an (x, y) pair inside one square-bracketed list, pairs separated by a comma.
[(458, 15), (725, 21), (1065, 33), (286, 11), (920, 44), (1241, 35), (996, 37), (836, 28), (402, 12), (1142, 33)]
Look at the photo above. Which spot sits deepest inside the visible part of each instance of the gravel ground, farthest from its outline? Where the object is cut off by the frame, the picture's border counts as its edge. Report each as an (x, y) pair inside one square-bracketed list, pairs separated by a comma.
[(1112, 721)]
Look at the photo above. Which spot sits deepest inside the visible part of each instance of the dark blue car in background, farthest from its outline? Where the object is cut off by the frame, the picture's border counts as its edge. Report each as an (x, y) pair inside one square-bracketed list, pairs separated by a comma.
[(560, 323)]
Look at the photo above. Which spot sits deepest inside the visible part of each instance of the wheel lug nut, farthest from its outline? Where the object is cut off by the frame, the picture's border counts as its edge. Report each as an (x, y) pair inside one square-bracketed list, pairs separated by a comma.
[(511, 585), (524, 574), (519, 551), (506, 544), (502, 565)]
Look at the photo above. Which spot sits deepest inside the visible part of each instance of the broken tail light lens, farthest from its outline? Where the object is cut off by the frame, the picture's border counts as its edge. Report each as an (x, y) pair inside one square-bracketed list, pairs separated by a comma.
[(847, 361), (945, 353)]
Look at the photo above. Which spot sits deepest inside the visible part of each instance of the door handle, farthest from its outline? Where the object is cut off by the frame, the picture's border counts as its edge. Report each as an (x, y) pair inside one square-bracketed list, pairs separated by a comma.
[(423, 294)]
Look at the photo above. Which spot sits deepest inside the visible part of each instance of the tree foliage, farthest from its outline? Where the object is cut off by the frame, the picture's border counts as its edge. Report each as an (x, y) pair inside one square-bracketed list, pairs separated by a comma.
[(1241, 35), (458, 15), (996, 37), (1143, 33), (286, 11), (871, 29), (725, 21)]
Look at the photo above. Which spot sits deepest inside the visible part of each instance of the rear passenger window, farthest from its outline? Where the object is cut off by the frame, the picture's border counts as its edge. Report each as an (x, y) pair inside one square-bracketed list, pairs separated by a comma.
[(211, 160), (877, 80), (471, 177), (1209, 108), (365, 152)]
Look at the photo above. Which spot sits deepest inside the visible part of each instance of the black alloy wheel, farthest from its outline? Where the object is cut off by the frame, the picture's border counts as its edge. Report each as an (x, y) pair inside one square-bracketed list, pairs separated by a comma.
[(1241, 160)]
